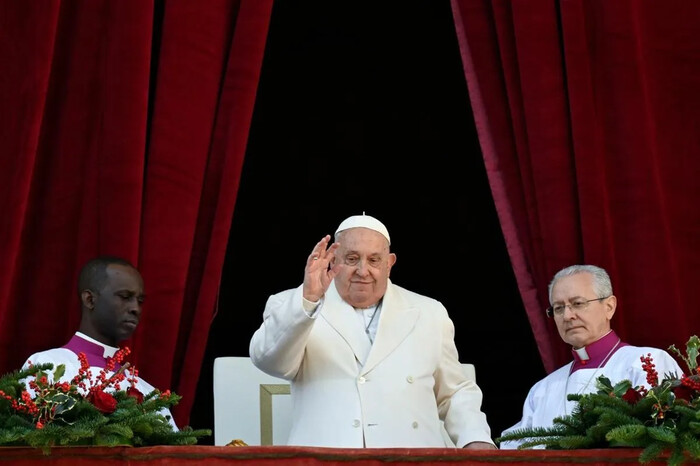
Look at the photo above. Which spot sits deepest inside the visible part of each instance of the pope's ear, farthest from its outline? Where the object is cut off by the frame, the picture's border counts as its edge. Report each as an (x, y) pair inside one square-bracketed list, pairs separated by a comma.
[(87, 298)]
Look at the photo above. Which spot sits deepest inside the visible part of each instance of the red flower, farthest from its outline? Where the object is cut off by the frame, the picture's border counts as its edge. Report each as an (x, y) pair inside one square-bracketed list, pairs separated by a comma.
[(102, 401), (134, 393), (632, 396), (683, 392)]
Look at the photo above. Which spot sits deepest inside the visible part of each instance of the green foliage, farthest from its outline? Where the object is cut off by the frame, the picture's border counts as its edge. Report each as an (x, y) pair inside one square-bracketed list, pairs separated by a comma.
[(633, 436), (63, 416), (652, 451), (575, 442), (691, 356), (690, 444), (664, 419)]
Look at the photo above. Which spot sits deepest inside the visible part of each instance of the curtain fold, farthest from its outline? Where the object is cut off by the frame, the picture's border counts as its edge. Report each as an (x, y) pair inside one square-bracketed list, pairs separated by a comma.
[(208, 73), (90, 168), (586, 114), (22, 89), (84, 188)]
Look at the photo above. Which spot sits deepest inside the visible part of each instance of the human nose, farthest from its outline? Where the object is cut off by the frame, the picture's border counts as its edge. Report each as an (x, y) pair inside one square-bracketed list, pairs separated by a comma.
[(571, 313), (361, 268), (135, 306)]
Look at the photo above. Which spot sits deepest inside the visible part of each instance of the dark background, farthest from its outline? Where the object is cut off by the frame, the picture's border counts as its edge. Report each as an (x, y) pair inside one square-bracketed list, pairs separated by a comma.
[(364, 107)]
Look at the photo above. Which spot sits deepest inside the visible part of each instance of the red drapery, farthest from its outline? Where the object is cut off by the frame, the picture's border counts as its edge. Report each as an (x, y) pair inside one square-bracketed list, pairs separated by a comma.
[(110, 149), (587, 114)]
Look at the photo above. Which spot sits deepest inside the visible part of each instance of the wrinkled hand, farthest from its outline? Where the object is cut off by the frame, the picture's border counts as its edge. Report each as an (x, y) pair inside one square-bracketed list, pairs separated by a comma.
[(480, 446), (317, 274)]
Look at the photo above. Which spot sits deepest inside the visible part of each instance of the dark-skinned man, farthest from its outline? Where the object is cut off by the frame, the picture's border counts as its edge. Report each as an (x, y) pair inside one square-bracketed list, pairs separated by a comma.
[(111, 296)]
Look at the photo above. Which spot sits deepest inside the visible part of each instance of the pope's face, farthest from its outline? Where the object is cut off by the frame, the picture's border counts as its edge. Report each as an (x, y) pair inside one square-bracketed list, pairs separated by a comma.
[(367, 262), (581, 328)]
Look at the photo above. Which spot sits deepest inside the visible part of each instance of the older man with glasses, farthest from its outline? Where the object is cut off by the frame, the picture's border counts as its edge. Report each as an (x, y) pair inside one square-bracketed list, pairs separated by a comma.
[(582, 305), (371, 364)]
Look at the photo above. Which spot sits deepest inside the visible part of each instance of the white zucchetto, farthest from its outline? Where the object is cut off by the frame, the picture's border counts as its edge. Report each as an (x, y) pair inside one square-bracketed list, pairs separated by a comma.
[(363, 221)]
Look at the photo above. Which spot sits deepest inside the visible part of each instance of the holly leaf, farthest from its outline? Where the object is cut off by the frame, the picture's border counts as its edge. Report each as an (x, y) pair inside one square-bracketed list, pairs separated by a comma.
[(63, 403), (621, 388), (58, 373), (604, 385), (692, 348)]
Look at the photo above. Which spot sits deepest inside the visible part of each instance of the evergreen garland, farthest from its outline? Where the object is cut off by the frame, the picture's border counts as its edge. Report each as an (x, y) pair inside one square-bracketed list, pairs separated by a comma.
[(61, 413), (663, 419)]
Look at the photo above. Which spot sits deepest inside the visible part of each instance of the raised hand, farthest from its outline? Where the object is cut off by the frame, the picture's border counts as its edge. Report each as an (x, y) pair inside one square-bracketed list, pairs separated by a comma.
[(318, 273)]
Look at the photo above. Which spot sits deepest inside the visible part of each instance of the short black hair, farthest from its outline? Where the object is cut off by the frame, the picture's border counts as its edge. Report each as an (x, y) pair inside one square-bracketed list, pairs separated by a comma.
[(93, 275)]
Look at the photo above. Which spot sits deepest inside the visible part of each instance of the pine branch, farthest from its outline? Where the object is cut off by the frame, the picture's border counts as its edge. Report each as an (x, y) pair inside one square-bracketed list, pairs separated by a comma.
[(576, 442), (634, 436), (68, 418), (652, 452), (532, 433), (691, 445), (662, 434)]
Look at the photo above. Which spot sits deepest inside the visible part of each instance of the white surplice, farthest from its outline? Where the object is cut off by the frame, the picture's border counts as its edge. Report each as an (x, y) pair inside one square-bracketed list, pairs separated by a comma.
[(547, 398)]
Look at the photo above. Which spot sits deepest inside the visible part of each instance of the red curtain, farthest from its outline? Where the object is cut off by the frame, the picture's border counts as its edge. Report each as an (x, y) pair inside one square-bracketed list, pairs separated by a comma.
[(123, 129), (587, 115)]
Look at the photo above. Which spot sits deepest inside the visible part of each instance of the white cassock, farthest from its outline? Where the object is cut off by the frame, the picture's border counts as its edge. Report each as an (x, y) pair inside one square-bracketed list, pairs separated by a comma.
[(350, 392), (547, 398)]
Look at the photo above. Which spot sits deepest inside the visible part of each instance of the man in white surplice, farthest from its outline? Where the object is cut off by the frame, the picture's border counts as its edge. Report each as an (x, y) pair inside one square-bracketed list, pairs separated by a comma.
[(371, 364), (582, 305)]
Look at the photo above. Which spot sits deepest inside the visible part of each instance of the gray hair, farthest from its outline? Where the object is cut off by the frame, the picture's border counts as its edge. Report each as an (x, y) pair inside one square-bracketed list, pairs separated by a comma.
[(339, 234), (602, 287)]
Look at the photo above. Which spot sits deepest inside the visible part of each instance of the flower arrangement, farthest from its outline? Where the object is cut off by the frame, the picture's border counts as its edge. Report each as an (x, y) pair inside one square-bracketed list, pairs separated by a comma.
[(662, 419), (41, 411)]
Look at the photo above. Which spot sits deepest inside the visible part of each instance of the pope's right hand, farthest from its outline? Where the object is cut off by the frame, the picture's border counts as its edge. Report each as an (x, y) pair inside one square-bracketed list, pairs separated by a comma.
[(319, 272)]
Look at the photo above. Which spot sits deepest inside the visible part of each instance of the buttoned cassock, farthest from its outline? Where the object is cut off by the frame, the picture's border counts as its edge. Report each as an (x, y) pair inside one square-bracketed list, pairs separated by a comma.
[(349, 393)]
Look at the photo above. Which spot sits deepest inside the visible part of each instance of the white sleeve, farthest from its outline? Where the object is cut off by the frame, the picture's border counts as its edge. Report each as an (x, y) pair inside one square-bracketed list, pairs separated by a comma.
[(277, 347), (458, 397)]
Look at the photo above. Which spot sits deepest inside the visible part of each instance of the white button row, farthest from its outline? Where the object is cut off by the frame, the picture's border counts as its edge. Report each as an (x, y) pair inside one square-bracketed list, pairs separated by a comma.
[(362, 379), (356, 423)]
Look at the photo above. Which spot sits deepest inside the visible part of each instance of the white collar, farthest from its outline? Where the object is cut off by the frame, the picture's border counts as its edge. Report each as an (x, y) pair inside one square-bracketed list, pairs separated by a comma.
[(109, 351), (582, 353)]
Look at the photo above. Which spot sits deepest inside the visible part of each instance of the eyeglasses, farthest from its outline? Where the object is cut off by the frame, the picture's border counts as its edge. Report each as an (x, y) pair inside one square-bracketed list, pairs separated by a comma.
[(576, 306)]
